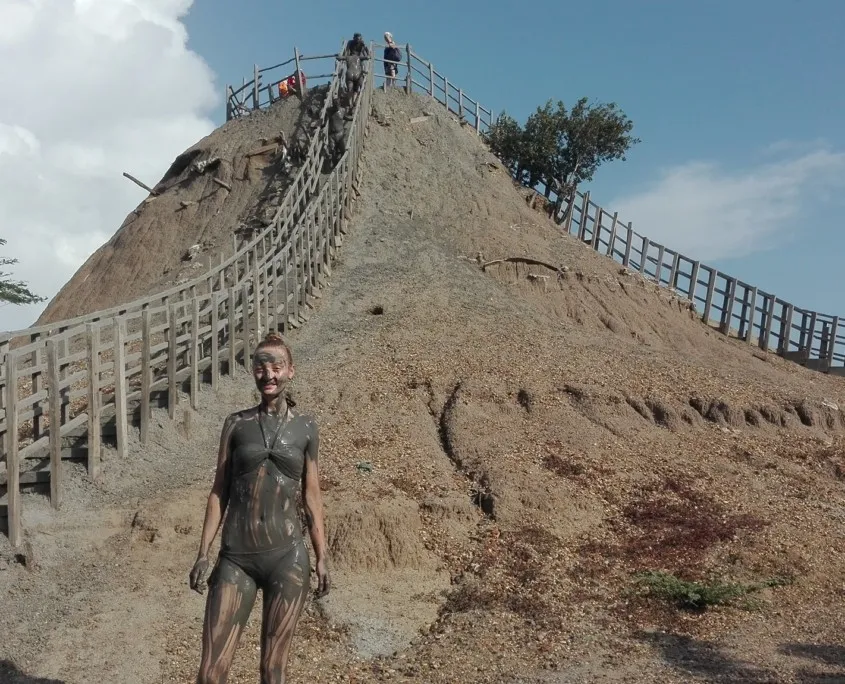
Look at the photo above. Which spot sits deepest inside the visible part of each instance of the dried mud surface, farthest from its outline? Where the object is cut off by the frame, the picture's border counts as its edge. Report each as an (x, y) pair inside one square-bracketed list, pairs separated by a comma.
[(500, 452), (148, 253)]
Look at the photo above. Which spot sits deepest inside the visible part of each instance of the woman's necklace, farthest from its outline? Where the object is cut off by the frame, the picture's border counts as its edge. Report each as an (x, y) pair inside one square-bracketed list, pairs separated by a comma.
[(280, 424)]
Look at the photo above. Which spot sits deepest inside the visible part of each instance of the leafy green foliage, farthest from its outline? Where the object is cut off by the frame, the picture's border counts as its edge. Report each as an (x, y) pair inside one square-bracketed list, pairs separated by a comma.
[(699, 595), (562, 147), (14, 291)]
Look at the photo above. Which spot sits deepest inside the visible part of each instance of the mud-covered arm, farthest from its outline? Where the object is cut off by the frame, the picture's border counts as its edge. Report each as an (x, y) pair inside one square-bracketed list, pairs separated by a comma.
[(311, 494), (219, 496)]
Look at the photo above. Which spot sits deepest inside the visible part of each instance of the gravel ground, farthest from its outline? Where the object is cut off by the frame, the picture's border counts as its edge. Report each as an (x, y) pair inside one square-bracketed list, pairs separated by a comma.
[(498, 456)]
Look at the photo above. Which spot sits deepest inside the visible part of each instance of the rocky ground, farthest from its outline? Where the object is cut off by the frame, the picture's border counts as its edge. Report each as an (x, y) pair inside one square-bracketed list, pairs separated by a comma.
[(500, 456)]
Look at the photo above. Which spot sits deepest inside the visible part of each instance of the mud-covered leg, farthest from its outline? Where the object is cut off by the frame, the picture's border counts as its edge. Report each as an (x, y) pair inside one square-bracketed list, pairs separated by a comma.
[(231, 595), (284, 600)]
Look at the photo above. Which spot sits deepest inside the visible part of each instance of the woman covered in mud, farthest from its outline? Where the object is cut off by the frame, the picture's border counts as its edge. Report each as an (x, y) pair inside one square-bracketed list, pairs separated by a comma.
[(268, 455)]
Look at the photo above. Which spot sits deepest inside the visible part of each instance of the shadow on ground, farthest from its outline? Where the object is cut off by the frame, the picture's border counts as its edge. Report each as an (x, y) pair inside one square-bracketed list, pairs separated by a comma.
[(705, 659), (710, 662), (826, 654), (10, 674)]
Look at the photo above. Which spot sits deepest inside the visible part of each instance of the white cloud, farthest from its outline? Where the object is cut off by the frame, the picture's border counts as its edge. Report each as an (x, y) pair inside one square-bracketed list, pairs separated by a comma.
[(89, 89), (708, 212)]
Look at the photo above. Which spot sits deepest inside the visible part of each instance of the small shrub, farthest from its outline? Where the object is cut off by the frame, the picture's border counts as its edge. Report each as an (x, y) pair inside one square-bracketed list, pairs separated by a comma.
[(699, 595)]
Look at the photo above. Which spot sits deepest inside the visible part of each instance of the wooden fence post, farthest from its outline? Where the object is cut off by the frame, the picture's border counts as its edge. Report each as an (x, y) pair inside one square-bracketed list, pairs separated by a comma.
[(585, 211), (245, 320), (195, 352), (13, 463), (673, 272), (94, 401), (785, 334), (232, 328), (37, 385), (477, 118), (693, 280), (834, 331), (752, 310), (596, 236), (728, 306), (809, 336), (409, 78), (708, 300), (215, 340), (146, 374), (769, 314), (611, 241), (255, 86), (446, 92), (120, 408), (629, 239), (172, 335), (300, 85), (229, 109), (644, 255), (658, 271), (431, 79), (55, 402)]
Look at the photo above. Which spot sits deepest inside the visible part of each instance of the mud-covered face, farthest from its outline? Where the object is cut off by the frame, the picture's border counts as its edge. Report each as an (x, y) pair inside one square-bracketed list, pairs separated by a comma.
[(272, 371)]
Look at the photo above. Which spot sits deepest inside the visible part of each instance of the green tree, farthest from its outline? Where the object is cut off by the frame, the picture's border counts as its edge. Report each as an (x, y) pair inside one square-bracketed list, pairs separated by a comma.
[(562, 148), (14, 291), (505, 138)]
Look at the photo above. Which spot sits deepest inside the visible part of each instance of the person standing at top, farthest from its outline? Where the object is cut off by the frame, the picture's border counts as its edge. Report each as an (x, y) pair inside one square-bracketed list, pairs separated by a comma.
[(357, 46), (392, 58)]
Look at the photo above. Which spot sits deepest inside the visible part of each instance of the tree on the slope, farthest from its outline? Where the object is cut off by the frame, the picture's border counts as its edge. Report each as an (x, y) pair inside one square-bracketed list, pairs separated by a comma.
[(14, 291), (562, 148)]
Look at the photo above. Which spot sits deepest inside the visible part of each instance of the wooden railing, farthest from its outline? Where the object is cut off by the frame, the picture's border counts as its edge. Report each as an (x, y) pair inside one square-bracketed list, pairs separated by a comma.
[(262, 90), (73, 378), (735, 308)]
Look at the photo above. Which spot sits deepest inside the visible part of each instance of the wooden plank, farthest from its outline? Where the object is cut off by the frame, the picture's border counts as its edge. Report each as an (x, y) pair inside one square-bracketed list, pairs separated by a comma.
[(611, 241), (94, 401), (195, 353), (596, 237), (834, 331), (13, 465), (585, 210), (120, 388), (146, 375), (232, 328), (673, 272), (708, 299), (785, 336), (752, 310), (769, 314), (172, 335), (55, 424), (215, 341), (727, 306), (658, 272), (245, 323), (693, 281), (626, 260), (644, 255), (37, 384), (809, 334)]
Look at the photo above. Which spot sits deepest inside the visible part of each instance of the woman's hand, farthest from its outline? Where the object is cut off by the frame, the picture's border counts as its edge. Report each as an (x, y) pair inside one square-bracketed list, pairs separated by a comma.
[(197, 577), (324, 582)]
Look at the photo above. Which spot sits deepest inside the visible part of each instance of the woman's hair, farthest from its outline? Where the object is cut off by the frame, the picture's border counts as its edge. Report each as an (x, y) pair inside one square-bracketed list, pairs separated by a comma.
[(276, 341)]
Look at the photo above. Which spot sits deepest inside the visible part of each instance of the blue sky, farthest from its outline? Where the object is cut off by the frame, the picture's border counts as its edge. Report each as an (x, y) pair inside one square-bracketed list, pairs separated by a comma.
[(738, 104), (729, 98)]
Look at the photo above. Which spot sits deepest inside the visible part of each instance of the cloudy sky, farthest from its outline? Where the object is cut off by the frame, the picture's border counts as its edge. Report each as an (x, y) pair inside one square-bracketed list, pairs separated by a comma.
[(88, 89), (742, 162)]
